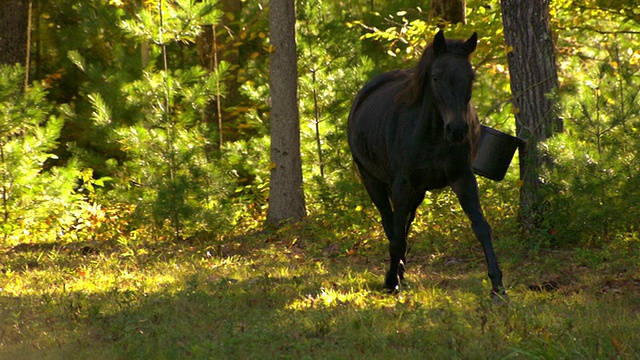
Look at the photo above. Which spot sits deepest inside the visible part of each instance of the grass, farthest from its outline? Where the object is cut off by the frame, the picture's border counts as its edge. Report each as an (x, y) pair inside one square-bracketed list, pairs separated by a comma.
[(307, 292)]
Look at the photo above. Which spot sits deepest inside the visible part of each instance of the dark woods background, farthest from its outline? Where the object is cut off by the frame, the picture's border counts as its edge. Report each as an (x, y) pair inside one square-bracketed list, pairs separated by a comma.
[(150, 120)]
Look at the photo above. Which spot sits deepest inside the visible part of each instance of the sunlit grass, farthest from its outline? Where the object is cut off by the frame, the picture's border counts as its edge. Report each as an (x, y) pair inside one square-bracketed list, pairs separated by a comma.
[(298, 293)]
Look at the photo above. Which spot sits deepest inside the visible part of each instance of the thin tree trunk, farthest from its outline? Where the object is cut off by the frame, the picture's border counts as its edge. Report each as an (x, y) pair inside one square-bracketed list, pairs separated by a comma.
[(286, 198), (215, 44), (452, 11), (534, 86), (14, 24)]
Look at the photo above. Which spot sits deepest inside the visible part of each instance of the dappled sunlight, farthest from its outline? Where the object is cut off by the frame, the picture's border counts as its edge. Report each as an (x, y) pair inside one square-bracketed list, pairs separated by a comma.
[(109, 273), (136, 180), (327, 298), (305, 297)]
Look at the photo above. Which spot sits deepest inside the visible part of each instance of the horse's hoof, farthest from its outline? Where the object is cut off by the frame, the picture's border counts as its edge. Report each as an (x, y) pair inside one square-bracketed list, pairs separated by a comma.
[(391, 286), (499, 298), (392, 291)]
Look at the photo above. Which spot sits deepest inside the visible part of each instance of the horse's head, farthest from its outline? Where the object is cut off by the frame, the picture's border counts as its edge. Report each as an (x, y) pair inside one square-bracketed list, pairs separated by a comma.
[(450, 81)]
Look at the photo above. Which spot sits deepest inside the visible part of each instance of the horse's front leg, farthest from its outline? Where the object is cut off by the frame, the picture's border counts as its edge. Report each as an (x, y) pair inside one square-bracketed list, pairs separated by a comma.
[(467, 191)]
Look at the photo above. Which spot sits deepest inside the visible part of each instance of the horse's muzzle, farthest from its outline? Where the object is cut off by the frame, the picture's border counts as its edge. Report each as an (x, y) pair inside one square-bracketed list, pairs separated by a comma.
[(456, 132)]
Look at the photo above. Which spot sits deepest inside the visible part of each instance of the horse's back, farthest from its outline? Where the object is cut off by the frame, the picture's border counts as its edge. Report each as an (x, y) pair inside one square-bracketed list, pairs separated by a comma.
[(372, 122), (380, 83)]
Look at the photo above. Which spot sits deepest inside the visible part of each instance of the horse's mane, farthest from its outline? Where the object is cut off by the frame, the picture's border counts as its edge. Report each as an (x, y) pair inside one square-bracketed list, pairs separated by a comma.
[(416, 84)]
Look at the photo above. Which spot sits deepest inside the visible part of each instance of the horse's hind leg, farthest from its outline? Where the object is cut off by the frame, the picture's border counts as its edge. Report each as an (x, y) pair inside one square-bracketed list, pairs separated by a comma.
[(379, 193), (414, 202), (467, 191)]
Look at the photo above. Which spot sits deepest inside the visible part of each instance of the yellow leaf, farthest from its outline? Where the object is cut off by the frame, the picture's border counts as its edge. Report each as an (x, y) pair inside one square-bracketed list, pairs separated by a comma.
[(262, 35), (508, 50), (619, 346), (272, 165), (254, 55), (271, 49), (359, 208)]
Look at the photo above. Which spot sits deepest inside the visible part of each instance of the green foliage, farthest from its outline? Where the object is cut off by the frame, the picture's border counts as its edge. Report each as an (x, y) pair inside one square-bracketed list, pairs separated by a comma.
[(176, 21), (35, 202), (143, 127), (168, 173), (331, 71), (249, 168), (146, 128), (82, 52), (594, 162)]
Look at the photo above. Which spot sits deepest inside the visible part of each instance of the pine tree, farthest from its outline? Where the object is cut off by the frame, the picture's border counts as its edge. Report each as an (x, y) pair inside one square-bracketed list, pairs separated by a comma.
[(33, 200), (167, 173)]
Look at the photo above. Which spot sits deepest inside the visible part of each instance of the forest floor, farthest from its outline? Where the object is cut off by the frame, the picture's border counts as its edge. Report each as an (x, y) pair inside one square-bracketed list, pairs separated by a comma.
[(307, 292)]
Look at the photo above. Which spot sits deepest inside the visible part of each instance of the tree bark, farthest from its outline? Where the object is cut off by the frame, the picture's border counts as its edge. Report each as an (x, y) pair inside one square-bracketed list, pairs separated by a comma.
[(14, 20), (534, 86), (452, 11), (286, 198)]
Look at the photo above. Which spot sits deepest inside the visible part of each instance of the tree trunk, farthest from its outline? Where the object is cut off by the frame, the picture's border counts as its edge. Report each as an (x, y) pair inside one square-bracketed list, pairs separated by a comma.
[(452, 11), (534, 86), (14, 23), (286, 198)]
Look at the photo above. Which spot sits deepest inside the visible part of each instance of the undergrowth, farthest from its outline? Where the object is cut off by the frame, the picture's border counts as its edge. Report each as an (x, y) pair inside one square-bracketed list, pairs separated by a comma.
[(314, 291)]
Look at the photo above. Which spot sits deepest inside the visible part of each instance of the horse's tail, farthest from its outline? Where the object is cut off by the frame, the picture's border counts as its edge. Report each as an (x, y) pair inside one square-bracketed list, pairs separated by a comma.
[(374, 85)]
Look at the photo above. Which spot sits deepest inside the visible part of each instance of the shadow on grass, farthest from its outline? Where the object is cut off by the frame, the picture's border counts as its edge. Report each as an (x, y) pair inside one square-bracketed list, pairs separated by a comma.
[(295, 296), (275, 299)]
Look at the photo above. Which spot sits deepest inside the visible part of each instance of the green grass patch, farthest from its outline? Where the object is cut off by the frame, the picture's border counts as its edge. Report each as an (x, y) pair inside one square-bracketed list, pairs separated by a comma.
[(305, 293)]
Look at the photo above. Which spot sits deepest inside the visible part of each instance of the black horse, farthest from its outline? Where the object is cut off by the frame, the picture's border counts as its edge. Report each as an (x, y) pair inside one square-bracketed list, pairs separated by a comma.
[(416, 130)]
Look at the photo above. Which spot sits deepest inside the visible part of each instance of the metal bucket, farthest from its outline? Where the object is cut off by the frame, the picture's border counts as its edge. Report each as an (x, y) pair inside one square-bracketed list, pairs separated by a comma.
[(495, 152)]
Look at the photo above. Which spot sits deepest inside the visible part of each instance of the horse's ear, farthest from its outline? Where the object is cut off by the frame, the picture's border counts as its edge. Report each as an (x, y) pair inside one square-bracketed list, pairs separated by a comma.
[(470, 44), (439, 43)]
